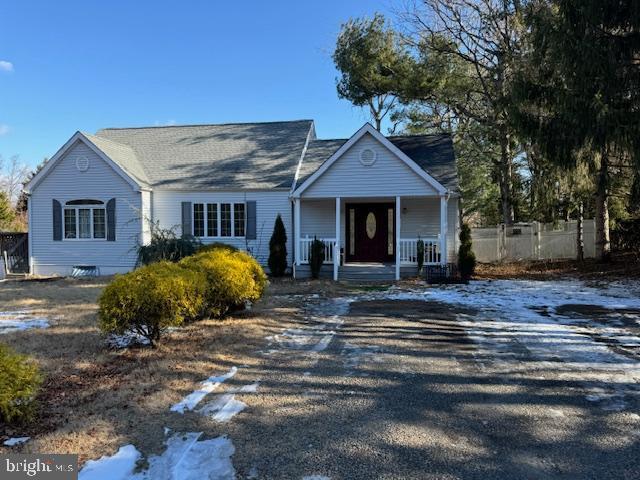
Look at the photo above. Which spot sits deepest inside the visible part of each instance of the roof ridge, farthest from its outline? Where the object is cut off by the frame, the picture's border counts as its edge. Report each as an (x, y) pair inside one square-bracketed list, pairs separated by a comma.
[(416, 135), (193, 125)]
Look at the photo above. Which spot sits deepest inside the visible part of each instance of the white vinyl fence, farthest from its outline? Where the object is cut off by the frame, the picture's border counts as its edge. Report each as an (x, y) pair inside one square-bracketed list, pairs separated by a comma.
[(532, 241)]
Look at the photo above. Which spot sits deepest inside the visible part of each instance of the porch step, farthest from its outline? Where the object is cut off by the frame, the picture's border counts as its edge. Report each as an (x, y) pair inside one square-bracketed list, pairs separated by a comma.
[(367, 272)]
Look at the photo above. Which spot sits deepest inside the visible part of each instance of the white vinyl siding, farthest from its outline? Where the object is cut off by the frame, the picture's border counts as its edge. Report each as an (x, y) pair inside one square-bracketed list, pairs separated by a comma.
[(147, 217), (388, 176), (65, 183), (269, 203)]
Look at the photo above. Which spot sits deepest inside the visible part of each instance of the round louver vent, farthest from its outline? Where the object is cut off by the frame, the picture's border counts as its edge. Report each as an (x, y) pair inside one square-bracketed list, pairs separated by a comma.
[(82, 164), (367, 157)]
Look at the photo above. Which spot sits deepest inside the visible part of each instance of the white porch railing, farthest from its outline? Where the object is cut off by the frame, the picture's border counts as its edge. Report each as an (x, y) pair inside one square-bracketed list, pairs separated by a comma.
[(408, 250), (305, 249)]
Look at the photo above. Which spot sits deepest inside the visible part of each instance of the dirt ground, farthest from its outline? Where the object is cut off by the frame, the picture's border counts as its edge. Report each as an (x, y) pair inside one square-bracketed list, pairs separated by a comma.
[(354, 382)]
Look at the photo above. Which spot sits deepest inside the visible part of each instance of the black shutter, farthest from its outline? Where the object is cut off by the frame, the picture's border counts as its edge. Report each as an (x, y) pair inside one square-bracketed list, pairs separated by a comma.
[(57, 221), (111, 220), (250, 232), (187, 213)]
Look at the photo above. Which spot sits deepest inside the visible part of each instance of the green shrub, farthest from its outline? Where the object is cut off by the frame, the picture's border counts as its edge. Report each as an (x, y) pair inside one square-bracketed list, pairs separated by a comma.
[(316, 257), (420, 253), (19, 384), (278, 249), (231, 279), (466, 257), (215, 246), (151, 299), (166, 245)]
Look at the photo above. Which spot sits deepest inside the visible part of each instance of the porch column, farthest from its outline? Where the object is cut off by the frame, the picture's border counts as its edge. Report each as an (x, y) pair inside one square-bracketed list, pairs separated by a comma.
[(443, 229), (336, 245), (296, 230), (398, 238)]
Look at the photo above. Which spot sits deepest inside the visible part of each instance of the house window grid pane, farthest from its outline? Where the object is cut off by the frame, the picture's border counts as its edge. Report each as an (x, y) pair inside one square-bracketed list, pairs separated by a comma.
[(198, 220), (84, 223), (70, 223), (99, 223), (239, 220), (225, 219), (212, 219)]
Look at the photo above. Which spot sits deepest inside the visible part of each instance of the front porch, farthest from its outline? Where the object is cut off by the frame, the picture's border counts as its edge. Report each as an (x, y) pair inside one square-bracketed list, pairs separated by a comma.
[(373, 238)]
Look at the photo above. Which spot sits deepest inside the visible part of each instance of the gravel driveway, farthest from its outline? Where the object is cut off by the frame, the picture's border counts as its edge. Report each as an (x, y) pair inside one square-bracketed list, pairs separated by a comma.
[(452, 383)]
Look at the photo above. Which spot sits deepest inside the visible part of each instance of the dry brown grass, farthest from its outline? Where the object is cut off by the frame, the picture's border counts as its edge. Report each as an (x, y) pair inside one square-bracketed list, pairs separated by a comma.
[(95, 399), (620, 266)]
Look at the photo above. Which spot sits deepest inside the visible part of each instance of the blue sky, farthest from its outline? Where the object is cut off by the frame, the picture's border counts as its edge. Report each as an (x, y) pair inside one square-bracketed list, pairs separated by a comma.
[(84, 65)]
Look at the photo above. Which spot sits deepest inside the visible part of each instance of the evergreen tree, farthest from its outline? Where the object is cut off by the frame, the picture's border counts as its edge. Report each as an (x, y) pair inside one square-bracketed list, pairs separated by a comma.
[(7, 214), (577, 90), (370, 59), (278, 249), (466, 257)]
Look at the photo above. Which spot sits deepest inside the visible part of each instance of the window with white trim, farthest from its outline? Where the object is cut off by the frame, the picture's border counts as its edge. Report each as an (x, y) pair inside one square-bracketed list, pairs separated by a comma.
[(225, 219), (239, 220), (215, 220), (85, 220)]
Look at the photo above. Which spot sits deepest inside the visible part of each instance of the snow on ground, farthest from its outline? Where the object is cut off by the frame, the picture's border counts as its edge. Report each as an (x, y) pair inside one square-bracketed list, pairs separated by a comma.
[(13, 321), (185, 458), (225, 406), (324, 319), (125, 340), (516, 321), (119, 466), (190, 401), (11, 442)]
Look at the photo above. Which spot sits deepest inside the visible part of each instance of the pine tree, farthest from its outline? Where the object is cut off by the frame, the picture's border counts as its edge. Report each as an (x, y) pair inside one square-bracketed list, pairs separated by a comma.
[(278, 249), (7, 214)]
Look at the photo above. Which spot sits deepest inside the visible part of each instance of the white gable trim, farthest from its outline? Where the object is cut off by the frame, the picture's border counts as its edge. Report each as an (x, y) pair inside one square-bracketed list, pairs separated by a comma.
[(79, 137), (368, 128)]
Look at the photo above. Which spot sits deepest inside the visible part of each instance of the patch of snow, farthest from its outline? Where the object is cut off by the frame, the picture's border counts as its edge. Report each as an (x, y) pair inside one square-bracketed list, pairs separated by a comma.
[(125, 340), (315, 477), (16, 441), (185, 458), (225, 406), (188, 458), (356, 354), (190, 401), (518, 319), (18, 320), (116, 467), (325, 317)]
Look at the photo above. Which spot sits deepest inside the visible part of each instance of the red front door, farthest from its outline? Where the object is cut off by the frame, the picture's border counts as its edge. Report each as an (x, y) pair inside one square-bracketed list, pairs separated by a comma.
[(369, 232)]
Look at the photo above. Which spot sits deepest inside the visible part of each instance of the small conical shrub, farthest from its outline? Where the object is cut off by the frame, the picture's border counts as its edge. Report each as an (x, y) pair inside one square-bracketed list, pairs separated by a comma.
[(316, 257), (420, 253), (466, 257), (278, 249)]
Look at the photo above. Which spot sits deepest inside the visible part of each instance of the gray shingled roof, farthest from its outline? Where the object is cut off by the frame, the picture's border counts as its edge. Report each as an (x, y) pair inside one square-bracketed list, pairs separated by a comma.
[(123, 155), (433, 153), (247, 155)]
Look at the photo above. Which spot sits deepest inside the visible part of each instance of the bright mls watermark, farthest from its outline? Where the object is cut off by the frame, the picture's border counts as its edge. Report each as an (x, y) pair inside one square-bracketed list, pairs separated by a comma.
[(38, 466)]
